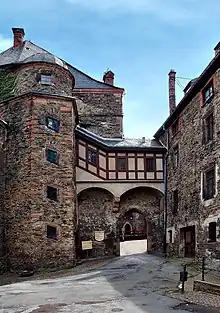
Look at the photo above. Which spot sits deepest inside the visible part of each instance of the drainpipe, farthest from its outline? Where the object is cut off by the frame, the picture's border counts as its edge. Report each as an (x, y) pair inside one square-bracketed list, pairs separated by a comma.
[(165, 196)]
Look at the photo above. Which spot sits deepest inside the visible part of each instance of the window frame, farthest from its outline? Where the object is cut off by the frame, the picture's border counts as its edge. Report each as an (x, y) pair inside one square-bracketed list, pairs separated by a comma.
[(209, 192), (46, 81), (51, 188), (47, 232), (47, 155), (176, 156), (54, 119), (212, 232), (150, 169), (208, 128), (208, 87), (118, 160), (95, 154)]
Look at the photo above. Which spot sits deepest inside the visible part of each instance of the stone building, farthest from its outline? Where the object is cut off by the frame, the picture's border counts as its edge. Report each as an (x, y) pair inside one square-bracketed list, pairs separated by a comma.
[(191, 135), (67, 173)]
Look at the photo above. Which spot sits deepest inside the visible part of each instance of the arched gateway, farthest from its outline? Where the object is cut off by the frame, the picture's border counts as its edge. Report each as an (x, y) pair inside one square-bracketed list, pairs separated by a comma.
[(138, 218)]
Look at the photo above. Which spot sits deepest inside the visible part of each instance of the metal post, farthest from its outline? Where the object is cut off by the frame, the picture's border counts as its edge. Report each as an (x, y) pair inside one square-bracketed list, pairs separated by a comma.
[(183, 282), (203, 269)]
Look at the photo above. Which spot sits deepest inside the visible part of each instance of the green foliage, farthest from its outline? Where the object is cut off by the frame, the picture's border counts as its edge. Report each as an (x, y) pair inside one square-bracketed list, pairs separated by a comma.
[(7, 84)]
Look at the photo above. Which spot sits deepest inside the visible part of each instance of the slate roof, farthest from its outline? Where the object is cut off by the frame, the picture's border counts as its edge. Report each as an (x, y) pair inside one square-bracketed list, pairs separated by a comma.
[(117, 143), (29, 52)]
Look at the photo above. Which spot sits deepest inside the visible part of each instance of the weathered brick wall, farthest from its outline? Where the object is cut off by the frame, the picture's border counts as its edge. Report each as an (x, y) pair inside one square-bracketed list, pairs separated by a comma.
[(194, 157), (101, 112), (96, 213), (27, 176), (28, 75)]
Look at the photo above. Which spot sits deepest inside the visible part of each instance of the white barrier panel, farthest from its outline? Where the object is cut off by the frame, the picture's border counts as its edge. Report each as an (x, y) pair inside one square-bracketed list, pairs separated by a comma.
[(133, 247)]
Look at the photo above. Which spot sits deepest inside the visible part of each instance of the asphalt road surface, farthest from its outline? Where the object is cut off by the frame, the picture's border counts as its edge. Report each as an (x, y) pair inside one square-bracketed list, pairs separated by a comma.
[(134, 284)]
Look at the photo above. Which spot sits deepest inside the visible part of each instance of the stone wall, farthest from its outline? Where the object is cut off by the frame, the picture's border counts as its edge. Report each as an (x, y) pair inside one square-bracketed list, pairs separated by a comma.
[(28, 79), (194, 158), (100, 112), (28, 174)]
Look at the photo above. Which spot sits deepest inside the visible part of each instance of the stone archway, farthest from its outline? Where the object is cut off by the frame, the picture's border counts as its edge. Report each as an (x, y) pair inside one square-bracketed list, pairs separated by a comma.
[(95, 214), (144, 206)]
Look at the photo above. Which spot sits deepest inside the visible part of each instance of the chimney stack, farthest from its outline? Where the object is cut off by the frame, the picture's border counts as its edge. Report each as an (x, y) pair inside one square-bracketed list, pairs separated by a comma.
[(18, 36), (217, 48), (172, 91), (108, 78)]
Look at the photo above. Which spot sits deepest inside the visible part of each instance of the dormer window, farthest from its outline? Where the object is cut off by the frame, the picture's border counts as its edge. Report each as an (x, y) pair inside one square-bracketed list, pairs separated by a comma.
[(45, 79), (208, 93)]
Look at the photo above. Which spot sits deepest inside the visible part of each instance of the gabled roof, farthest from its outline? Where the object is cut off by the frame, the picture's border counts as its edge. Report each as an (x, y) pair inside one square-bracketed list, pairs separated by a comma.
[(120, 143), (197, 85), (30, 52)]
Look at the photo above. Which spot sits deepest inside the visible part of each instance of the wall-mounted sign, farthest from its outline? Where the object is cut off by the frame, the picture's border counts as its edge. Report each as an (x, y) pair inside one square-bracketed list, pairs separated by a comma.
[(87, 245), (99, 235)]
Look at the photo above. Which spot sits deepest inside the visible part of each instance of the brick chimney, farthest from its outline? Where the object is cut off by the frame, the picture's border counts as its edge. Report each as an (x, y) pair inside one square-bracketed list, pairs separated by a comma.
[(18, 36), (108, 78), (172, 91), (217, 48)]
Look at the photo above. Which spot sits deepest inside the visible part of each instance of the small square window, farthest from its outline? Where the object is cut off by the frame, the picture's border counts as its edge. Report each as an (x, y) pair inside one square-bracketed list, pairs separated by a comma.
[(52, 156), (45, 79), (52, 193), (51, 232), (121, 164), (150, 164), (208, 93), (92, 157), (53, 123)]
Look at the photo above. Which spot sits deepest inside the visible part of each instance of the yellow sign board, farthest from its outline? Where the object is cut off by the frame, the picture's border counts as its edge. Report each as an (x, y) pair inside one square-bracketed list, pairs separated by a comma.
[(87, 245)]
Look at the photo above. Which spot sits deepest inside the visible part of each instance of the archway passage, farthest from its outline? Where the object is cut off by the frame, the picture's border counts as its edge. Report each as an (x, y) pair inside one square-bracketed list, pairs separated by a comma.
[(95, 214), (142, 209)]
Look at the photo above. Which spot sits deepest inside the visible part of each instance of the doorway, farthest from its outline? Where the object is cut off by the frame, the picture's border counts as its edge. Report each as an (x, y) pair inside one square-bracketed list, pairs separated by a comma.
[(189, 241)]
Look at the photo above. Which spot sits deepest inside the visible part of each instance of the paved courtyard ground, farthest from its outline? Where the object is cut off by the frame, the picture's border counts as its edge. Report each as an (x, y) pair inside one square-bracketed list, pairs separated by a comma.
[(137, 284)]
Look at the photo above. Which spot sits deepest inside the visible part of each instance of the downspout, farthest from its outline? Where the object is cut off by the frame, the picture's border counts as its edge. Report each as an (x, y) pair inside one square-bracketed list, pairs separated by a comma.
[(165, 193), (165, 196)]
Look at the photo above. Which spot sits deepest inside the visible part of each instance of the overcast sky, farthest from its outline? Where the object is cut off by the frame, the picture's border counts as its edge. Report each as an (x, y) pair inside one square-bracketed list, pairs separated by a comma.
[(139, 40)]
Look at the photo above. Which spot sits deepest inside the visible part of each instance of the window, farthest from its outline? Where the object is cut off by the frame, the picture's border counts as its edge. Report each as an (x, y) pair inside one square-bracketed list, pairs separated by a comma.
[(175, 201), (170, 234), (176, 156), (92, 157), (150, 164), (121, 164), (208, 129), (52, 156), (209, 184), (53, 123), (175, 127), (45, 79), (52, 193), (212, 232), (208, 93), (51, 232)]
